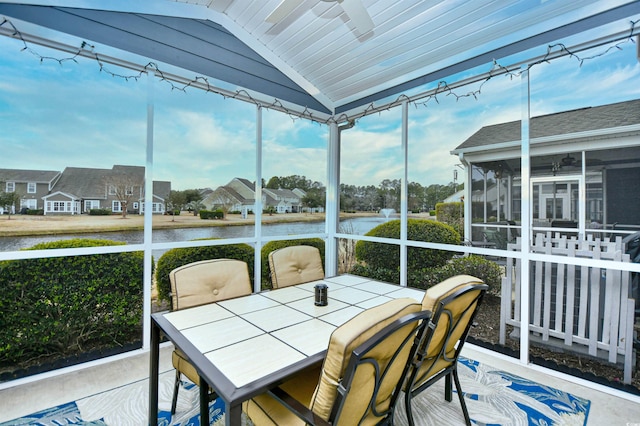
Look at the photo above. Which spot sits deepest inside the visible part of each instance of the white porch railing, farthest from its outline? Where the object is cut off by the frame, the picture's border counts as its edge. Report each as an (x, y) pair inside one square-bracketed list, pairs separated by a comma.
[(579, 309)]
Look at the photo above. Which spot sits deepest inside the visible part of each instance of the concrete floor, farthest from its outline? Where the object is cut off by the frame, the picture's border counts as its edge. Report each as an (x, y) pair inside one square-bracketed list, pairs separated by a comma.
[(608, 407)]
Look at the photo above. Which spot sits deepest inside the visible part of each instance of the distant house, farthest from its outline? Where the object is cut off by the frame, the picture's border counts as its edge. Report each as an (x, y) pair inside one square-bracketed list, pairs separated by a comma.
[(32, 185), (283, 200), (583, 166), (78, 189), (239, 195)]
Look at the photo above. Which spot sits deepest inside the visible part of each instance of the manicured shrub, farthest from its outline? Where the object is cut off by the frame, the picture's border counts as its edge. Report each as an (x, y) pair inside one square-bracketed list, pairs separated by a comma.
[(177, 257), (35, 212), (99, 212), (275, 245), (64, 306), (208, 214), (382, 255), (487, 270)]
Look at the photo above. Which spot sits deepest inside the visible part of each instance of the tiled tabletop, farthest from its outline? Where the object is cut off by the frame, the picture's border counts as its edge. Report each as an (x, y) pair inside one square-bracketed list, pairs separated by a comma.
[(284, 324), (251, 338)]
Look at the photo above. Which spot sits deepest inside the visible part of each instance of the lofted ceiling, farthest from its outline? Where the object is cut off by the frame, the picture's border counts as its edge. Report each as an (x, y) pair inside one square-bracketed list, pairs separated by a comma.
[(319, 55)]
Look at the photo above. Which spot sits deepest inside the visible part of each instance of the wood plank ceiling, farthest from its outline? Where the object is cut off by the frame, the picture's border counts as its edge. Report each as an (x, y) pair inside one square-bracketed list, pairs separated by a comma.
[(314, 56)]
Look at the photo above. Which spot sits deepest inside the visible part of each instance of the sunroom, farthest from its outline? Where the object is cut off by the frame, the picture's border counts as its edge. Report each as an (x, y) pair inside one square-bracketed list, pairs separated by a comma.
[(381, 109)]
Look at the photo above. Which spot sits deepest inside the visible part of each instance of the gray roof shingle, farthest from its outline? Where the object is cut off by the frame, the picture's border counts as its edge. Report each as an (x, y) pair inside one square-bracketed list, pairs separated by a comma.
[(17, 175), (561, 123)]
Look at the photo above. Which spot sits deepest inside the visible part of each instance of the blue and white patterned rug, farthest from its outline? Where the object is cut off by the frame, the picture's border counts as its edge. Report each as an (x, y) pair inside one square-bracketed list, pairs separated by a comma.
[(494, 397)]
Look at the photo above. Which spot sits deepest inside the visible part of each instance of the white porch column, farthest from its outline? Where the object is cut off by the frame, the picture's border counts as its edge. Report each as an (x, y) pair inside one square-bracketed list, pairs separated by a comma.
[(332, 205), (148, 215), (257, 207), (525, 162), (404, 194)]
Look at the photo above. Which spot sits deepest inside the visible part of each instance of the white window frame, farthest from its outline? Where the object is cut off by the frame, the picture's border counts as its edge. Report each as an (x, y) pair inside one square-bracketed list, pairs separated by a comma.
[(30, 203), (31, 187), (10, 186)]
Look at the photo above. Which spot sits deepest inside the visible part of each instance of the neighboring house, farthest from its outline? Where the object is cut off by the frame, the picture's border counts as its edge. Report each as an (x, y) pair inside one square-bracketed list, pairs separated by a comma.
[(239, 195), (584, 163), (161, 190), (283, 200), (31, 185), (78, 189)]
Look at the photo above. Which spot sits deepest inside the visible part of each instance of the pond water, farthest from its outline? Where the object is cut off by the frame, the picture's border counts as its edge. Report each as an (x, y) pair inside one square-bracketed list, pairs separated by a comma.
[(352, 226)]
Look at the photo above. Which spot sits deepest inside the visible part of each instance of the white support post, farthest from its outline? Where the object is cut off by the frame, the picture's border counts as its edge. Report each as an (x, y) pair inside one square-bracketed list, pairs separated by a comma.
[(332, 206), (404, 194), (148, 217), (257, 207), (525, 160)]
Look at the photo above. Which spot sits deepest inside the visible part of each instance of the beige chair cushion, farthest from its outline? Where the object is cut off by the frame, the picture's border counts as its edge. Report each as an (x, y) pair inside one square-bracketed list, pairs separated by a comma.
[(264, 410), (295, 265), (345, 339), (208, 281), (445, 288), (432, 364), (182, 364)]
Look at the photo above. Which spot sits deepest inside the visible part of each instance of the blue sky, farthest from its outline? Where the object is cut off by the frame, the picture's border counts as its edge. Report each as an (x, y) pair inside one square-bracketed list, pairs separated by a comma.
[(56, 115)]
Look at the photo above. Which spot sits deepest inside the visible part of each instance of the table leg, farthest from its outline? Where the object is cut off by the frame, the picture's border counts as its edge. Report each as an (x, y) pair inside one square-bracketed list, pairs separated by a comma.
[(204, 402), (154, 361)]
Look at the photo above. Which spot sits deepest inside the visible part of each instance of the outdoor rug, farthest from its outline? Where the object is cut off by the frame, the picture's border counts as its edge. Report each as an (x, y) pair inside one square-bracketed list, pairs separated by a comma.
[(493, 397)]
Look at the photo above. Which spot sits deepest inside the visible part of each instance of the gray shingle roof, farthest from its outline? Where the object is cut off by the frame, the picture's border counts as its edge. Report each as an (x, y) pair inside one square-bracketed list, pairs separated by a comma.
[(83, 182), (38, 176), (161, 188), (233, 193), (561, 123)]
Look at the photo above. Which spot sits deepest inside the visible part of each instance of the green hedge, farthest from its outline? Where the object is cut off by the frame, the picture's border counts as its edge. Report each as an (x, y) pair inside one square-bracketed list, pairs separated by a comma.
[(177, 257), (208, 214), (489, 271), (387, 256), (99, 212), (65, 306), (275, 245)]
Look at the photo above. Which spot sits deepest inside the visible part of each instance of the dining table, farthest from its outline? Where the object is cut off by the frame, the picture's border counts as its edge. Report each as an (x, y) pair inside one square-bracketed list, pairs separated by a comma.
[(244, 346)]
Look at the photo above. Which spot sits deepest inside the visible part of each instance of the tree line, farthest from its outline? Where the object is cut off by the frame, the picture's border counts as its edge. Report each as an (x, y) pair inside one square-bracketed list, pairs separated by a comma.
[(385, 195)]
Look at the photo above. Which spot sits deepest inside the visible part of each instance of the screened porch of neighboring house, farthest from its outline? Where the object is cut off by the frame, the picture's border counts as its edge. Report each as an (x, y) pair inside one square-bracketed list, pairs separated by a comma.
[(529, 111)]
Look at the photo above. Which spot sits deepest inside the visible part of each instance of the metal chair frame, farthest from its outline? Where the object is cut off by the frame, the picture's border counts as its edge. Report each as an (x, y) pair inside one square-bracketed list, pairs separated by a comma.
[(360, 356), (427, 339)]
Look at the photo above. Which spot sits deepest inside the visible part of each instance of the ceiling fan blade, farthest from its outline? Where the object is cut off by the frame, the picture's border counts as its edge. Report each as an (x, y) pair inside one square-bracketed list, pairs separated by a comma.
[(358, 15), (282, 11)]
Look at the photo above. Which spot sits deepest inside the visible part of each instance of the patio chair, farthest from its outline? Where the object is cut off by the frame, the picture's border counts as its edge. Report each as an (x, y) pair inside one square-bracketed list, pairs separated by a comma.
[(360, 379), (295, 265), (453, 303), (199, 283)]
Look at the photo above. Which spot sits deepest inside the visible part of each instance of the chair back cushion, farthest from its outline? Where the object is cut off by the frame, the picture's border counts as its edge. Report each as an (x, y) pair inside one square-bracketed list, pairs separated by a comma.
[(451, 321), (295, 265), (208, 281), (341, 345)]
